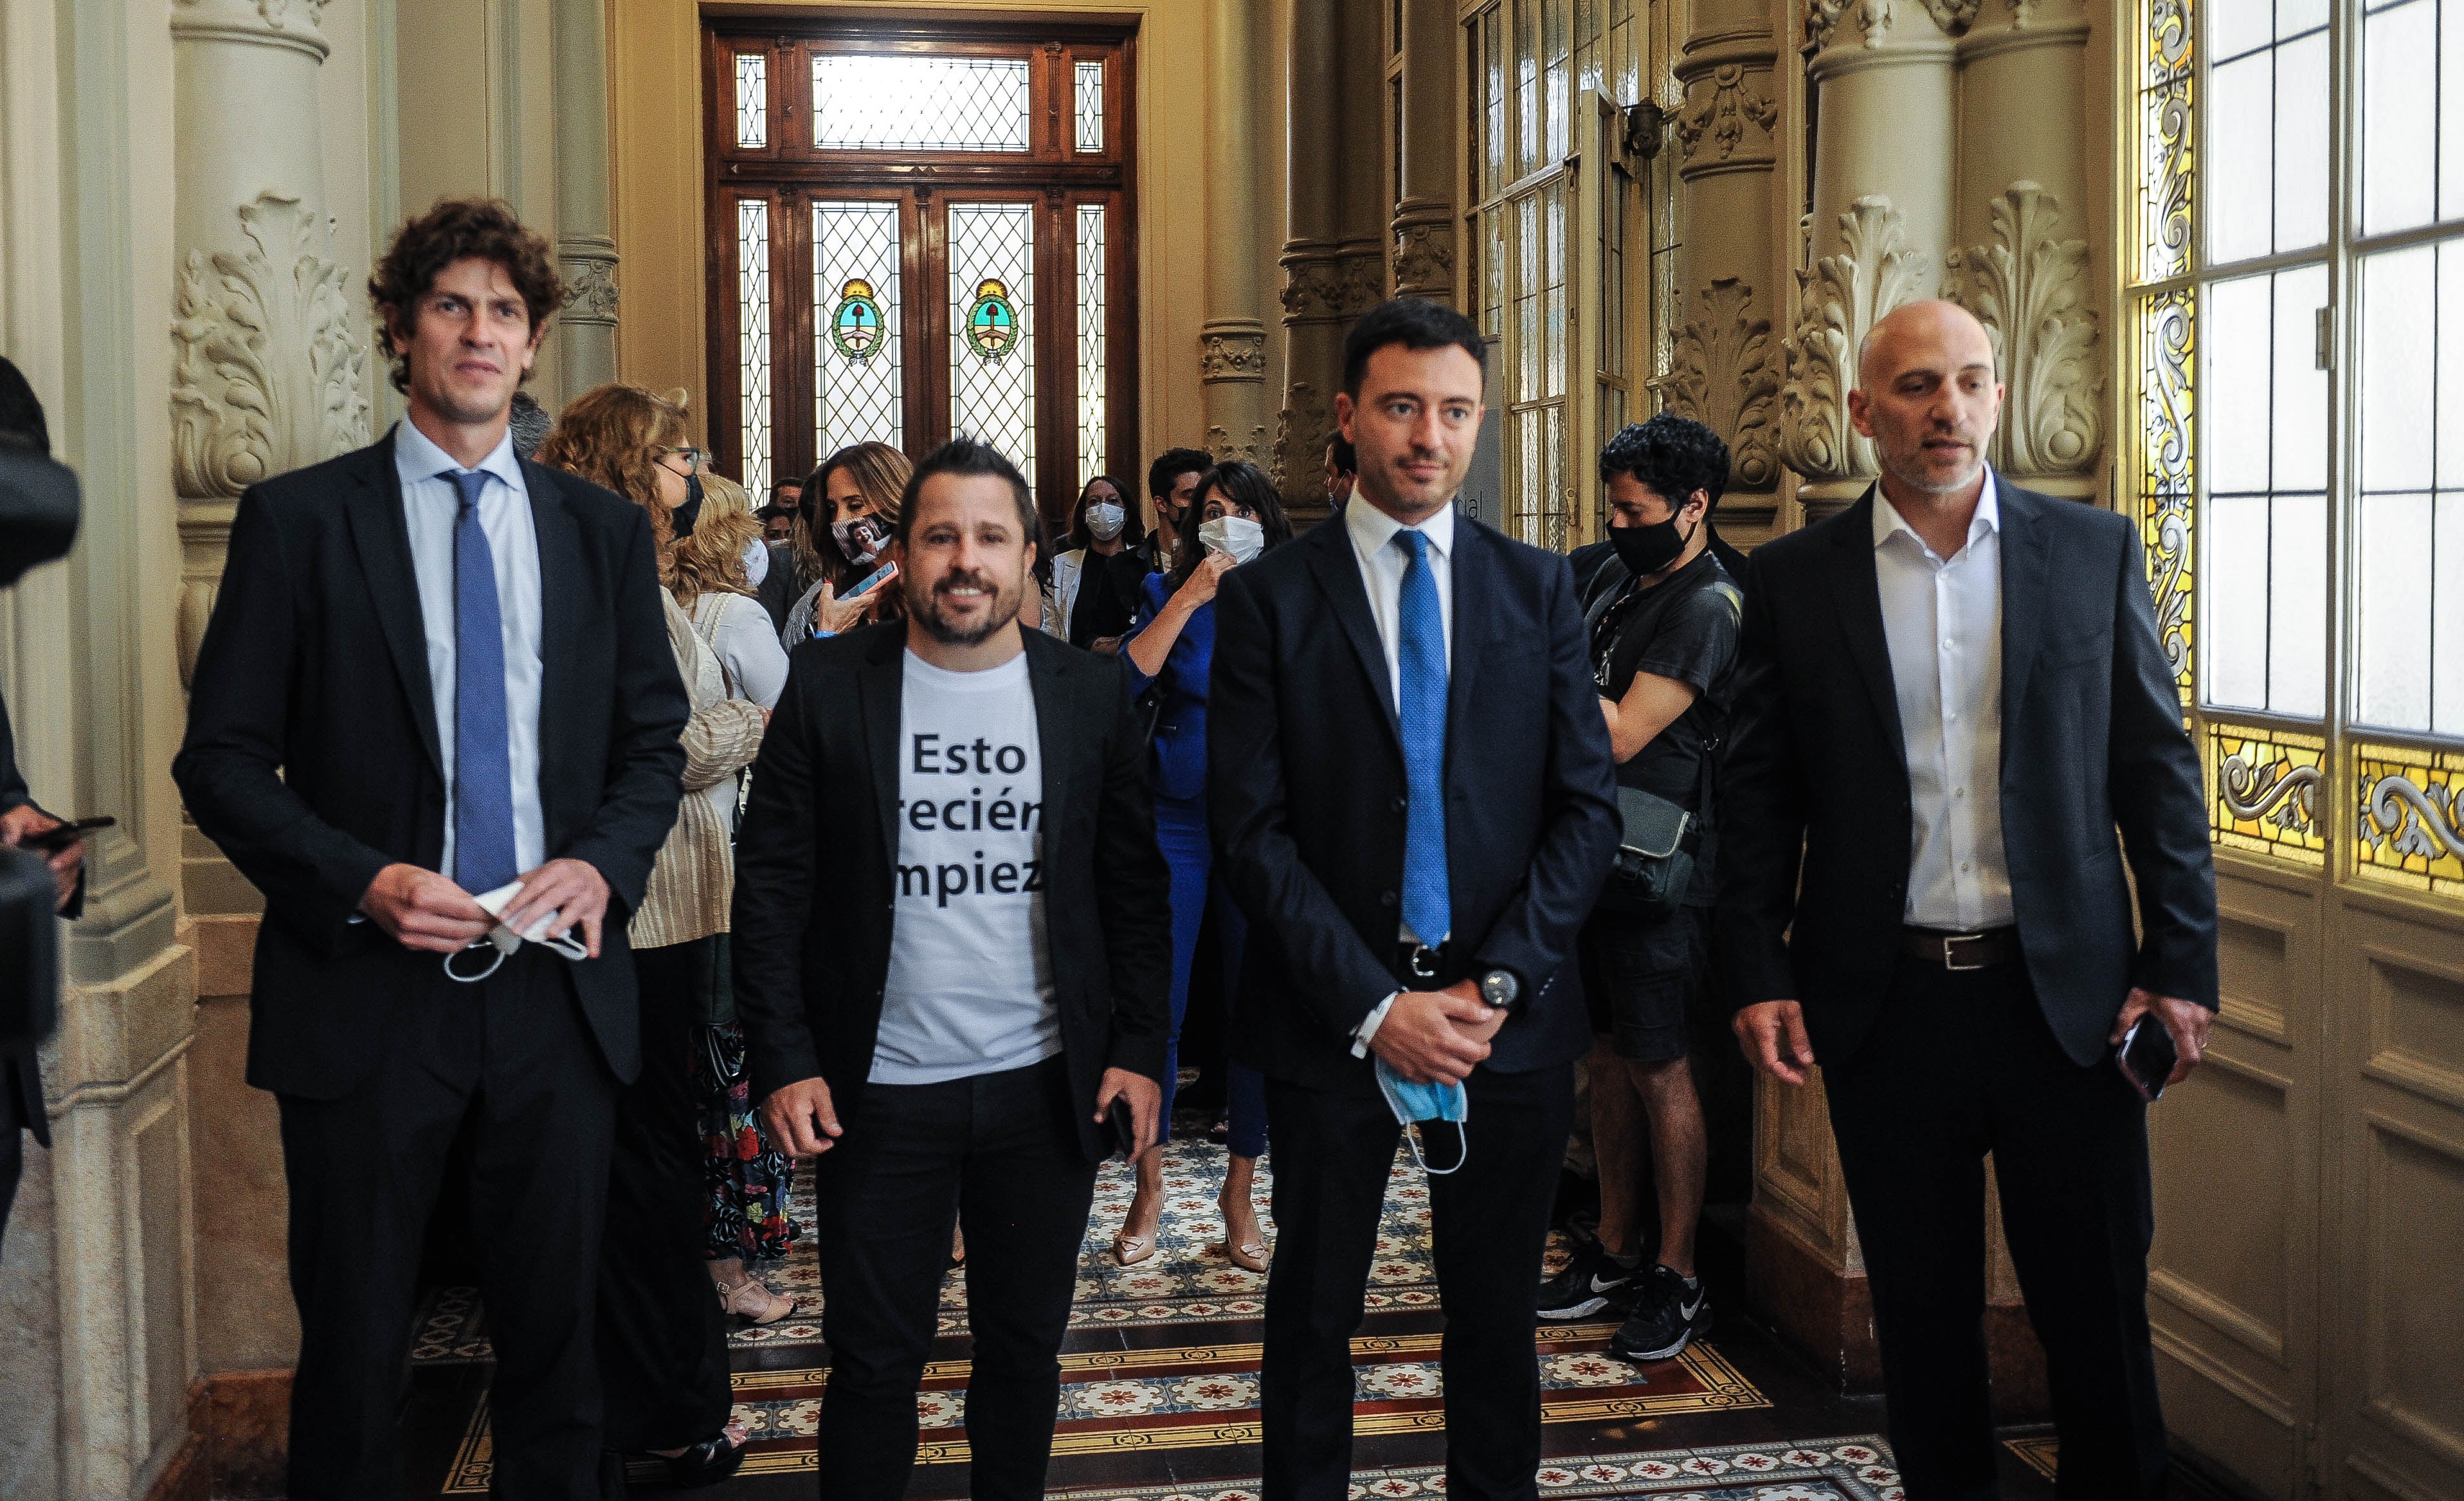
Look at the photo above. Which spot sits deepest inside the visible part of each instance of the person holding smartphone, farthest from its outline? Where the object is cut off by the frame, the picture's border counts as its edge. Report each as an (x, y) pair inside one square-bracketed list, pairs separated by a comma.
[(951, 967), (839, 556)]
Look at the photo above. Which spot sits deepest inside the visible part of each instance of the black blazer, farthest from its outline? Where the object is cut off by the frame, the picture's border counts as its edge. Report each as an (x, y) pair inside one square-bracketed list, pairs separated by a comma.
[(29, 1099), (1304, 775), (312, 752), (2092, 741), (816, 870)]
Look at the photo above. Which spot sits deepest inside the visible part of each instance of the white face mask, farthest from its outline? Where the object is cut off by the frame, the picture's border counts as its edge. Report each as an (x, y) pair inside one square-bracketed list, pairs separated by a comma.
[(1236, 535), (1104, 520), (756, 563), (505, 940)]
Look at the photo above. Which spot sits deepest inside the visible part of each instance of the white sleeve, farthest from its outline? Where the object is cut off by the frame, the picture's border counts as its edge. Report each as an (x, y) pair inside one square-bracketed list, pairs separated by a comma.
[(754, 656)]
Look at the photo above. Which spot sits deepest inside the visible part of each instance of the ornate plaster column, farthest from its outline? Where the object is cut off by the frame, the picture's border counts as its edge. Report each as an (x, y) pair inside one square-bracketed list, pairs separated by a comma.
[(1725, 366), (1328, 279), (1883, 82), (1232, 342), (586, 244), (1423, 224), (2021, 260)]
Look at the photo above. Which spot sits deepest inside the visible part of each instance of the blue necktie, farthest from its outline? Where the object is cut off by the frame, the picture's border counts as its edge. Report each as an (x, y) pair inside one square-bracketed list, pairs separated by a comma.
[(1428, 902), (483, 762)]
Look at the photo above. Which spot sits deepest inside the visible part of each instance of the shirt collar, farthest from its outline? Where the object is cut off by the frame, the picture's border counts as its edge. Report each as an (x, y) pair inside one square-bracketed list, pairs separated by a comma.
[(1888, 520), (416, 458), (1373, 529)]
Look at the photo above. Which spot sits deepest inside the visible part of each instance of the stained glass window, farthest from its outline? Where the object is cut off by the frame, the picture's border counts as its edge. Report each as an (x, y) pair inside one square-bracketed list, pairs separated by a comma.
[(2412, 824), (752, 99), (753, 339), (1090, 341), (2267, 792), (2410, 670), (992, 327), (858, 357), (1090, 90), (875, 103)]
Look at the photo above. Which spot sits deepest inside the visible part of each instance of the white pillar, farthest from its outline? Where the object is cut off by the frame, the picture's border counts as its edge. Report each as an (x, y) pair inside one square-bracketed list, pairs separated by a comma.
[(585, 247), (1232, 343)]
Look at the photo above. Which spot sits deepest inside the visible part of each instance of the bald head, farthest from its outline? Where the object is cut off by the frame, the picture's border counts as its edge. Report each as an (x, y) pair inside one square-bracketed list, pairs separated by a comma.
[(1926, 395)]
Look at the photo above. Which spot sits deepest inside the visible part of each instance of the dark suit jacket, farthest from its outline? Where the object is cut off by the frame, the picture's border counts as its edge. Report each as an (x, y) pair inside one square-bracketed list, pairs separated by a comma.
[(14, 793), (1305, 779), (312, 752), (815, 870), (2092, 741)]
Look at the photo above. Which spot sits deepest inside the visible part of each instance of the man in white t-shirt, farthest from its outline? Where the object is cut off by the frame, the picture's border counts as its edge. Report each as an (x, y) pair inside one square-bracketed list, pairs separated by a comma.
[(952, 950)]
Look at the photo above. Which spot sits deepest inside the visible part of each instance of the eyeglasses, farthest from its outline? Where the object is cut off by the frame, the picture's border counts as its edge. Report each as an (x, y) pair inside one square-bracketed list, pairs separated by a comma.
[(693, 459)]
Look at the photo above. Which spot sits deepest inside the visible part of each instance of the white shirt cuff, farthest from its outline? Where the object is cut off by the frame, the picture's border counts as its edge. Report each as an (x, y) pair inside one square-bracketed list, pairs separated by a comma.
[(1368, 1027)]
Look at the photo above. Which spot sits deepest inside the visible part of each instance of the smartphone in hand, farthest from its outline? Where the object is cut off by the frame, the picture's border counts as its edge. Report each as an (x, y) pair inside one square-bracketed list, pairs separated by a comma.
[(2146, 1056), (1125, 1126), (50, 841), (881, 575)]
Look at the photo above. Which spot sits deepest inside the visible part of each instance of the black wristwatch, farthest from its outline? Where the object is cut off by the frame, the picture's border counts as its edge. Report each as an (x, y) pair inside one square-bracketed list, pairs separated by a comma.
[(1500, 988)]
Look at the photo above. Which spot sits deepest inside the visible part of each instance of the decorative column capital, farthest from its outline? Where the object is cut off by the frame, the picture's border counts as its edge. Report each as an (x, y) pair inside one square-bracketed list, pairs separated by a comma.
[(1871, 20), (1325, 283), (1838, 301), (588, 264), (1232, 349), (1424, 250), (1725, 103), (1721, 374), (295, 24), (2031, 292)]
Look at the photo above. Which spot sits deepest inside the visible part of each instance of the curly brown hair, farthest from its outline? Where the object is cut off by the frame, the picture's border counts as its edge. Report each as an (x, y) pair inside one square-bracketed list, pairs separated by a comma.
[(613, 435), (452, 230)]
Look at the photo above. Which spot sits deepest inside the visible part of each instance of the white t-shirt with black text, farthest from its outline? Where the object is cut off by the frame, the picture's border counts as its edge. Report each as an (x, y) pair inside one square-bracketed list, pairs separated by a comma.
[(970, 988)]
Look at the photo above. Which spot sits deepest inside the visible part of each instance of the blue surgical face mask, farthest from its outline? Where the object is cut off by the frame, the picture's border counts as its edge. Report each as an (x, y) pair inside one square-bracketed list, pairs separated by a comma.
[(1420, 1105)]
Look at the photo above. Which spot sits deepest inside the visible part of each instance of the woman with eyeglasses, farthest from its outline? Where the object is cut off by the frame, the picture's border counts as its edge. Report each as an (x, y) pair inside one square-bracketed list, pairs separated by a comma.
[(662, 1337)]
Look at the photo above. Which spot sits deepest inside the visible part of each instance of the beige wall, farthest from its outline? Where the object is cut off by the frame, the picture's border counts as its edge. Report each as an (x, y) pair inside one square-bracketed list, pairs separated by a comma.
[(655, 57)]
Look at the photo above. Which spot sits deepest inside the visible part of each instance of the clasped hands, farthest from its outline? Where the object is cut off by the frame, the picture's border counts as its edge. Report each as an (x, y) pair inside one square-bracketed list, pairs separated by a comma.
[(804, 1121), (1437, 1037), (422, 910), (1772, 1034)]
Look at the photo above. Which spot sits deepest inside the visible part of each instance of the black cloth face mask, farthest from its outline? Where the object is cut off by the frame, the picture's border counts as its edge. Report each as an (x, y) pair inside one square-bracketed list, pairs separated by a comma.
[(680, 520), (1645, 550)]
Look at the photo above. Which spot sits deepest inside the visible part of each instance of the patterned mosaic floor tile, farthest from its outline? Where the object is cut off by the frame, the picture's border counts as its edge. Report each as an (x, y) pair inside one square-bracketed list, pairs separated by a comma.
[(1206, 1397), (1188, 1280), (1820, 1469)]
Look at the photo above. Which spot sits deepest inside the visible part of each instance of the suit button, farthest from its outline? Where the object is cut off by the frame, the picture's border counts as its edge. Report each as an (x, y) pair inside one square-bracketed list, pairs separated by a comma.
[(1387, 898), (1401, 802)]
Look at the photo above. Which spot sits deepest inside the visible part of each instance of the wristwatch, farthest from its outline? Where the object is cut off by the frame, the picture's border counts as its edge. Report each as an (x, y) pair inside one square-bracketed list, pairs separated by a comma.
[(1500, 988)]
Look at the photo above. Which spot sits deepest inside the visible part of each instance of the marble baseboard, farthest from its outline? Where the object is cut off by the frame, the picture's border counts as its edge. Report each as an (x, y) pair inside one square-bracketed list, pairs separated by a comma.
[(241, 1422)]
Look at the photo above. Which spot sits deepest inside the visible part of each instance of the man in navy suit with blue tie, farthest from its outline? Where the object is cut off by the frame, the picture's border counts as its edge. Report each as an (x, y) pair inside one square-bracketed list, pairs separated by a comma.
[(436, 672), (1412, 789)]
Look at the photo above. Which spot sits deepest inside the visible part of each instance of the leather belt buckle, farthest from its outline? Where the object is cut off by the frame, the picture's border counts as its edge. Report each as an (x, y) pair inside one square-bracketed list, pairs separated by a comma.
[(1420, 962), (1950, 949)]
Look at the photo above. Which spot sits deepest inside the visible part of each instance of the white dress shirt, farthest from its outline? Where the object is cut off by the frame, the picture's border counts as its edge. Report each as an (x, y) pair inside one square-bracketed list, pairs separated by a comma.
[(1381, 573), (430, 504), (1943, 619)]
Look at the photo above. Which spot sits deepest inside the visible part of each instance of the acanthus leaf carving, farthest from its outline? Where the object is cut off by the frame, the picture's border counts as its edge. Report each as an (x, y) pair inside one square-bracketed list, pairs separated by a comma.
[(1424, 260), (1837, 301), (268, 363), (2029, 290), (1252, 450), (1724, 109), (1301, 431), (1721, 376), (590, 292), (1334, 289)]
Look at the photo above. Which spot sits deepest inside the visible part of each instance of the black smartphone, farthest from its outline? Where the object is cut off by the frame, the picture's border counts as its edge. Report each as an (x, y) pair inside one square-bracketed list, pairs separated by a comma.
[(1125, 1127), (2146, 1057), (53, 840)]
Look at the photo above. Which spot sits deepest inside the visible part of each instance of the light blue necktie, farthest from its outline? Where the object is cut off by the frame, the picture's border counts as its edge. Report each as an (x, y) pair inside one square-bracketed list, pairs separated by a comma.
[(1428, 902), (483, 762)]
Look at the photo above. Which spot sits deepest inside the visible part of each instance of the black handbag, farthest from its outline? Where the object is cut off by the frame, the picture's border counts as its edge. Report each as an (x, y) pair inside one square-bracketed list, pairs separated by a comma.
[(1655, 857)]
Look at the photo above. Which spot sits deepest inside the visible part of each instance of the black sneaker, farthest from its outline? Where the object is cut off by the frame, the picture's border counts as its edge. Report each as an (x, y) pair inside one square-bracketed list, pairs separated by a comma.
[(1668, 1316), (1588, 1284)]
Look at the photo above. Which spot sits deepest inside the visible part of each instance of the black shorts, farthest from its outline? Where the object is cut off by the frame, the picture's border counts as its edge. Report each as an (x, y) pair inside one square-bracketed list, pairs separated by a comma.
[(1640, 975)]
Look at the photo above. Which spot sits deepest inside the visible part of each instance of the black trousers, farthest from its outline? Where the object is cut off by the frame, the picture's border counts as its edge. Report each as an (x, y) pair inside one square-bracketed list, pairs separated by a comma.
[(1000, 1148), (662, 1336), (1490, 1220), (1959, 1064), (513, 1056)]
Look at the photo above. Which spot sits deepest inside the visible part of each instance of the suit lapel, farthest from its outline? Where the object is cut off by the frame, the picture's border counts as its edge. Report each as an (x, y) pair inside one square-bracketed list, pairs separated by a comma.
[(2023, 591), (1473, 619), (1046, 666), (880, 684), (1858, 593), (1339, 574), (382, 537), (560, 606)]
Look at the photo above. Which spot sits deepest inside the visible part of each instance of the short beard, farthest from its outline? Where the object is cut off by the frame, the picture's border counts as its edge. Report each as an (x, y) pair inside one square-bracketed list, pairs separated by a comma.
[(924, 605), (1924, 486)]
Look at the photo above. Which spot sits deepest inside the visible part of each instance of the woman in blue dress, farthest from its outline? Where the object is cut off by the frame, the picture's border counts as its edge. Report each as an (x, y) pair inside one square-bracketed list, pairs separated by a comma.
[(1235, 517)]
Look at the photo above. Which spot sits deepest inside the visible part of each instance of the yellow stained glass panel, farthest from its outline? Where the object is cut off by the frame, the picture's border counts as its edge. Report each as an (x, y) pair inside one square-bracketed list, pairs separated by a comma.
[(2263, 792), (2409, 810)]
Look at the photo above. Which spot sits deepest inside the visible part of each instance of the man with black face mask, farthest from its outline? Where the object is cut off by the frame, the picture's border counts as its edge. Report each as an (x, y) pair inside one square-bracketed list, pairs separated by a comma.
[(1663, 614)]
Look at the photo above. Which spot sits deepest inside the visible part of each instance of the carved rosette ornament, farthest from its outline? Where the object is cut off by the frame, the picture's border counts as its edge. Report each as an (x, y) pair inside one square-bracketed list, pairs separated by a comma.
[(1837, 301), (1729, 101), (268, 363), (2031, 292), (1721, 375), (1232, 355)]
